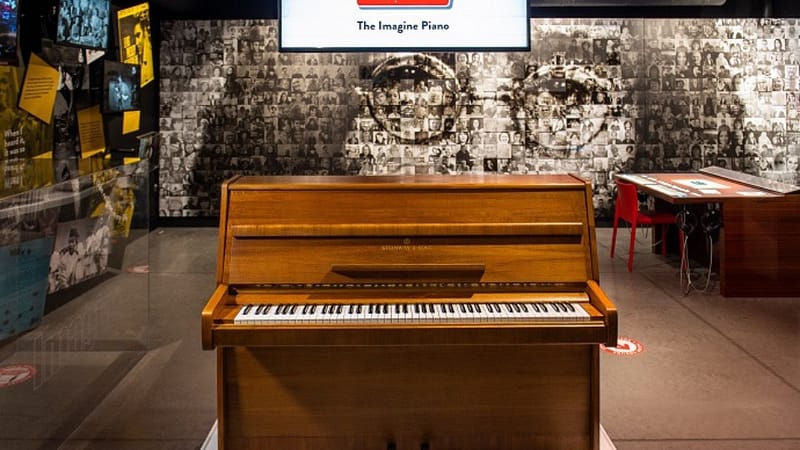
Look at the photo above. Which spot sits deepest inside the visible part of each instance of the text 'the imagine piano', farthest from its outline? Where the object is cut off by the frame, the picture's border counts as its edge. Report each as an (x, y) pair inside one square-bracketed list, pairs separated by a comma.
[(408, 312)]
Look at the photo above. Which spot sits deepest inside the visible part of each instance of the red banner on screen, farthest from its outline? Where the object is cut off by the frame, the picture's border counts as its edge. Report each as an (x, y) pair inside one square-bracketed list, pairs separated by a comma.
[(405, 3)]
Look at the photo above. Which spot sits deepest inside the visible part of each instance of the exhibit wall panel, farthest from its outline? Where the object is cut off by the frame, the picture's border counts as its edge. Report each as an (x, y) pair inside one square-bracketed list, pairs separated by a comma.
[(592, 97)]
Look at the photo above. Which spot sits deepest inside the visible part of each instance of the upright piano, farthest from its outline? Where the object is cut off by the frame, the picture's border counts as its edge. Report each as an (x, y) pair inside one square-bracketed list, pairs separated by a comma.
[(424, 312)]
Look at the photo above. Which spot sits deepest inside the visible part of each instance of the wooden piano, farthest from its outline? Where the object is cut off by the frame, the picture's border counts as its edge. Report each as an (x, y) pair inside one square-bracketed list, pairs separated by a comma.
[(454, 312)]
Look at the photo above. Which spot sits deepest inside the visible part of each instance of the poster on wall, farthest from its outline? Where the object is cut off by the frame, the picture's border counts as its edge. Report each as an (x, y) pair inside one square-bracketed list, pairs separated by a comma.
[(23, 285), (134, 39), (66, 133), (91, 132), (24, 138), (81, 252), (39, 89), (83, 23)]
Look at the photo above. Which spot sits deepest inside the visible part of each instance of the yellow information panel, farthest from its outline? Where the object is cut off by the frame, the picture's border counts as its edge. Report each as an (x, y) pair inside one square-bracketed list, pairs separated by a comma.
[(90, 130), (39, 89), (130, 121)]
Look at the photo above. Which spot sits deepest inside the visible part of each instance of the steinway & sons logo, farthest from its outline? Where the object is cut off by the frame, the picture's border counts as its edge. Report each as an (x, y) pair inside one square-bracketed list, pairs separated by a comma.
[(405, 246)]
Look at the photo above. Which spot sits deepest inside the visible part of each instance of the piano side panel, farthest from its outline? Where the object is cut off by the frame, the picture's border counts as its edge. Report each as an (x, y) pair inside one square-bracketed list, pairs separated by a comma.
[(513, 397)]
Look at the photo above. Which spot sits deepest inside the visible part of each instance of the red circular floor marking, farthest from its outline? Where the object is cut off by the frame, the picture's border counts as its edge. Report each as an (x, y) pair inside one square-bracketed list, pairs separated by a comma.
[(139, 269), (16, 374), (625, 347)]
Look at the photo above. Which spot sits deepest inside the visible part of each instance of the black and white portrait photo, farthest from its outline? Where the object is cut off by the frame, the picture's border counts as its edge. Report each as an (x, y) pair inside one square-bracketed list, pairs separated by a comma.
[(83, 23)]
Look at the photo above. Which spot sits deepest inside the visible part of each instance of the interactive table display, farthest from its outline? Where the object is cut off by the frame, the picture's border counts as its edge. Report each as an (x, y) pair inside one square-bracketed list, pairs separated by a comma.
[(759, 242)]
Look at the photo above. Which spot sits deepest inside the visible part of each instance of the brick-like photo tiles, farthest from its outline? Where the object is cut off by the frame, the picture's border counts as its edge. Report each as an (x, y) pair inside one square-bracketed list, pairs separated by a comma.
[(592, 97)]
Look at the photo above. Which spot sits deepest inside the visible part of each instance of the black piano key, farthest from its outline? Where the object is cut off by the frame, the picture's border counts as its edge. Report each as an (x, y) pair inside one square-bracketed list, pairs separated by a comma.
[(416, 308), (339, 309), (292, 309), (324, 309), (247, 309), (478, 308), (385, 309), (358, 309), (571, 307), (543, 307), (535, 307), (450, 308), (462, 307), (259, 309), (397, 308)]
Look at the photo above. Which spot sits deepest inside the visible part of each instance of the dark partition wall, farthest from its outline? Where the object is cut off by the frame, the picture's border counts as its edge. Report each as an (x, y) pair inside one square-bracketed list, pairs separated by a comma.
[(593, 97)]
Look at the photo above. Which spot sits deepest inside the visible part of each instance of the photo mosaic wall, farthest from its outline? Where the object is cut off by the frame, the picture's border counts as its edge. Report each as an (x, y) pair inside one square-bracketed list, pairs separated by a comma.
[(592, 97)]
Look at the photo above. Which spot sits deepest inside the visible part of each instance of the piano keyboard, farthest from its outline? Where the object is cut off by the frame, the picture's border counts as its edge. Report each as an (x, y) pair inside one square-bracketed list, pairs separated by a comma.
[(408, 313)]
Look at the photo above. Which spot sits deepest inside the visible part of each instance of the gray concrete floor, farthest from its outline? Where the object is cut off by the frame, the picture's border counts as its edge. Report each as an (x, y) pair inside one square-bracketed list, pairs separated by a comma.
[(121, 366)]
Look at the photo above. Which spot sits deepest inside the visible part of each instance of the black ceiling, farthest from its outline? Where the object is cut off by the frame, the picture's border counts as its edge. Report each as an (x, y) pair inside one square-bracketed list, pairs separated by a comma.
[(268, 9)]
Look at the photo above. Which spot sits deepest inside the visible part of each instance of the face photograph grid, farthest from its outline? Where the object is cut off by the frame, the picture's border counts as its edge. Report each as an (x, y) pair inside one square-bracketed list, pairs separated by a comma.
[(598, 96)]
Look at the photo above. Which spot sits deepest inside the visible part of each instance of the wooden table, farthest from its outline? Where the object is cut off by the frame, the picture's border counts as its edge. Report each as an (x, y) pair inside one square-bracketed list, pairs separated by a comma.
[(759, 243)]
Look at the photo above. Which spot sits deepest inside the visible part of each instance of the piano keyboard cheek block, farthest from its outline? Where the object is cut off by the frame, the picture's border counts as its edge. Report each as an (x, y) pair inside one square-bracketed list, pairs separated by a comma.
[(414, 312)]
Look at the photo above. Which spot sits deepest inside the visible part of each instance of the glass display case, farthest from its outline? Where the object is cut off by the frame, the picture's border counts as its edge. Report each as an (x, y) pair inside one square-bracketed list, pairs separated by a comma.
[(73, 296)]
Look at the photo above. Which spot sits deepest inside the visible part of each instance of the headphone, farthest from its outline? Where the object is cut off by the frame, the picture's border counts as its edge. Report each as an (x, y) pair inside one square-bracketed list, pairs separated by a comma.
[(711, 222), (687, 222)]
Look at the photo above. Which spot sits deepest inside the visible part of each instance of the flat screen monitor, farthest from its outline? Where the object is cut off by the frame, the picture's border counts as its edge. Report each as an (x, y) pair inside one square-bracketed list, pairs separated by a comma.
[(120, 86), (83, 23), (403, 25), (8, 31)]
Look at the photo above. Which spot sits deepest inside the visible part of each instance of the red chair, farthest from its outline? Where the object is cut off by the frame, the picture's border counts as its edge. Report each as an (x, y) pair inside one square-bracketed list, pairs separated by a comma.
[(626, 208)]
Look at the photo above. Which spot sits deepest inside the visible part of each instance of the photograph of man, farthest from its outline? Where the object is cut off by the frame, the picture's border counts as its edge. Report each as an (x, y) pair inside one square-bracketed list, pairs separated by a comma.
[(134, 39), (66, 266)]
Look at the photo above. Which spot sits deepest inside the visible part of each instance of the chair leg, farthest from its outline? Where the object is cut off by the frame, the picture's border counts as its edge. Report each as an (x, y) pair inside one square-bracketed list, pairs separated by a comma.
[(614, 236), (663, 240), (631, 249)]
